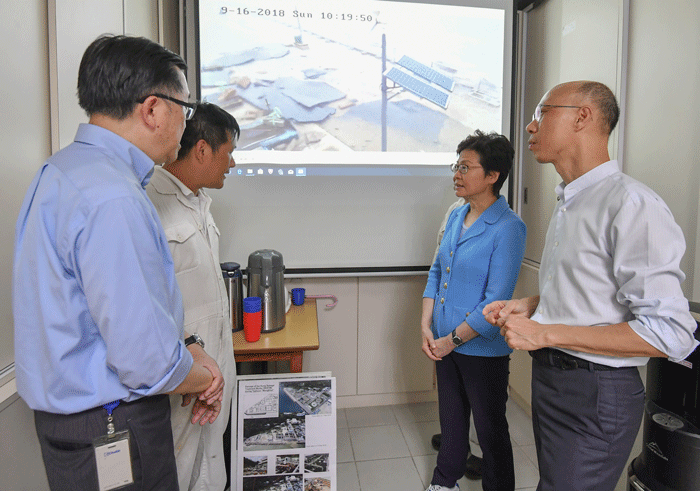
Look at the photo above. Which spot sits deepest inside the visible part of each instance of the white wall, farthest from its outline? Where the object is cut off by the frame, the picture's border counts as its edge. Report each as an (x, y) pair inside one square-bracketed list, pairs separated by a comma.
[(25, 135), (663, 126)]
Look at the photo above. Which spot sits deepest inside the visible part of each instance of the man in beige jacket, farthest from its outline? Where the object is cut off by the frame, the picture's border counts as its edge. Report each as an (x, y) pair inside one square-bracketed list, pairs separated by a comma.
[(176, 190)]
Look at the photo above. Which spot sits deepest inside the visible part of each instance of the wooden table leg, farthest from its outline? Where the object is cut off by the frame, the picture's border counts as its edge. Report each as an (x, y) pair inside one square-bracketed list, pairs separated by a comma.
[(296, 362)]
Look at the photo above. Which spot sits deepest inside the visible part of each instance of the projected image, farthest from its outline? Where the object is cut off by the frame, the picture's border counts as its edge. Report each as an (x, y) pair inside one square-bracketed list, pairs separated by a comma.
[(352, 82)]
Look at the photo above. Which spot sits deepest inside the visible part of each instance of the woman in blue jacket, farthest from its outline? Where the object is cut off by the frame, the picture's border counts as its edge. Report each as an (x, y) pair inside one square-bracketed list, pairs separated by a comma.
[(478, 262)]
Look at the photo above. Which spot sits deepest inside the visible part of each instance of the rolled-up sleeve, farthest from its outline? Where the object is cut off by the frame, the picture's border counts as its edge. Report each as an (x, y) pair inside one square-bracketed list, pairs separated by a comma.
[(133, 301), (646, 263)]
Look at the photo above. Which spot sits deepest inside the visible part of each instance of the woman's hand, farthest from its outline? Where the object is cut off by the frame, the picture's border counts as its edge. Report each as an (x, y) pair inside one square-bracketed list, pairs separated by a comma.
[(443, 347), (428, 343), (426, 333)]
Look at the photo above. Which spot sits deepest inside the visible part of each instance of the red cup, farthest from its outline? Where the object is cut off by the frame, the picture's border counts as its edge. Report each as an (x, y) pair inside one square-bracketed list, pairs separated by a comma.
[(252, 324)]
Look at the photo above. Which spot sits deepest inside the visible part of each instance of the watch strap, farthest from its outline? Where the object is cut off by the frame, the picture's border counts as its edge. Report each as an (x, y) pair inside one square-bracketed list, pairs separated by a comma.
[(194, 338)]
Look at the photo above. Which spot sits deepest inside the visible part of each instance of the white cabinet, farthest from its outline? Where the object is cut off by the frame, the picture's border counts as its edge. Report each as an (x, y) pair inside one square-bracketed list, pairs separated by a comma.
[(337, 331), (370, 341), (389, 356)]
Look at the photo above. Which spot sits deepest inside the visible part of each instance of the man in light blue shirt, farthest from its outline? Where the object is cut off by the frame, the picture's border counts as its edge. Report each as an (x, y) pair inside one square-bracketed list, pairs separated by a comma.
[(97, 310)]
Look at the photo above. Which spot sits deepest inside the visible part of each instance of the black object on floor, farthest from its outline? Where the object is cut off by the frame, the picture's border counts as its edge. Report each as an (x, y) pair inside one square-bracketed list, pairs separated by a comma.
[(472, 469), (435, 441)]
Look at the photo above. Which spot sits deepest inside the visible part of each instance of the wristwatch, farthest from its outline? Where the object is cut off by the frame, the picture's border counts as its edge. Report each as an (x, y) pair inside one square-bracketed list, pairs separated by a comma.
[(456, 339), (195, 338)]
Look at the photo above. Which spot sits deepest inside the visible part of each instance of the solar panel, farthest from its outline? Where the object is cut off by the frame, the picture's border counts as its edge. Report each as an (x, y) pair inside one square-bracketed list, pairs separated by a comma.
[(427, 73), (418, 87)]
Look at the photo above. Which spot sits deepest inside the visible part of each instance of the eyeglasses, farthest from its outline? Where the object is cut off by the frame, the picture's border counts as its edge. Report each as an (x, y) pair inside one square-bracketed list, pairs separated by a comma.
[(537, 116), (463, 169), (188, 107)]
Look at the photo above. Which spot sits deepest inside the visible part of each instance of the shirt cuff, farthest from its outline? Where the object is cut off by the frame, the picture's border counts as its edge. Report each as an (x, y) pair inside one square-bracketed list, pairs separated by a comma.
[(669, 336)]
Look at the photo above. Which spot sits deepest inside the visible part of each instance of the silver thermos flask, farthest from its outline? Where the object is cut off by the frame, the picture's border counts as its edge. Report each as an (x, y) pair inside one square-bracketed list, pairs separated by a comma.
[(266, 280), (234, 287)]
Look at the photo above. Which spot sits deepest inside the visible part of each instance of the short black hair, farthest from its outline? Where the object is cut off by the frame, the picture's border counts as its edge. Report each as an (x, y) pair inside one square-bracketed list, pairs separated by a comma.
[(495, 154), (117, 71), (211, 124)]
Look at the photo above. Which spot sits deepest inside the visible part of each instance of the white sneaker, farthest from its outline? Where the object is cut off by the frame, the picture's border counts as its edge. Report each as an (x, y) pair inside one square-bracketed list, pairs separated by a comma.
[(437, 487)]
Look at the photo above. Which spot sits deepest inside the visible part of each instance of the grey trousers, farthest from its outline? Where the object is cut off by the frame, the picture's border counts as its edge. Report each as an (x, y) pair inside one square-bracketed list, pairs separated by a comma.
[(69, 458), (585, 423)]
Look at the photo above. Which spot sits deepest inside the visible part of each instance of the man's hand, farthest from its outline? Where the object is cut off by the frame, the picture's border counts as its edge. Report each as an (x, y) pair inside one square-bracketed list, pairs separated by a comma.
[(522, 333), (205, 413), (496, 312), (215, 391), (513, 317)]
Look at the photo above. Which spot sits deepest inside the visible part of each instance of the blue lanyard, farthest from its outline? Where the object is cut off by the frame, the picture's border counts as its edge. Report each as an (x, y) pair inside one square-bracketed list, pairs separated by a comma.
[(110, 407)]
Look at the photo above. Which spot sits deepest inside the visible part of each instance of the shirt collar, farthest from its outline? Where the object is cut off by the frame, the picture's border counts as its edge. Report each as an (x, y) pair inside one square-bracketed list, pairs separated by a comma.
[(184, 190), (184, 193), (140, 163), (567, 191)]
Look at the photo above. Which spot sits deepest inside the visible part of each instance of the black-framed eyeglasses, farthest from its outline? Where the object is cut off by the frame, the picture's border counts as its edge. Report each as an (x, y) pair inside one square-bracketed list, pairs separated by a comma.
[(462, 168), (537, 116), (188, 107)]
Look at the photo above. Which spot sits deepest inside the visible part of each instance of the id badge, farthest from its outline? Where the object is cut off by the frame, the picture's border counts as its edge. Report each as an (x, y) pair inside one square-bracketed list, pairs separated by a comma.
[(113, 460)]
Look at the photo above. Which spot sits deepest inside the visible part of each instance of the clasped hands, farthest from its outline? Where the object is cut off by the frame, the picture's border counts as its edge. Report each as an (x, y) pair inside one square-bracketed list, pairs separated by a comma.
[(207, 405), (435, 349), (513, 318)]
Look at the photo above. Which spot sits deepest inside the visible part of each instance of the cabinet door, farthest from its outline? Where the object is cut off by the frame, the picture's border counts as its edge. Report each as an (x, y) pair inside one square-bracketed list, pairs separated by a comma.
[(389, 356), (337, 330)]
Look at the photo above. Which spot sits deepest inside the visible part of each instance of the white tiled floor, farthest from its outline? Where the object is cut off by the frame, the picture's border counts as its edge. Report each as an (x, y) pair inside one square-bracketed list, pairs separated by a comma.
[(387, 448)]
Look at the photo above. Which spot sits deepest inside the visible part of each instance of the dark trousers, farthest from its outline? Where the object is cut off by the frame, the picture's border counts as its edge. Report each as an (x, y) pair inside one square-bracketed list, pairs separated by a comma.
[(476, 385), (585, 423), (69, 457)]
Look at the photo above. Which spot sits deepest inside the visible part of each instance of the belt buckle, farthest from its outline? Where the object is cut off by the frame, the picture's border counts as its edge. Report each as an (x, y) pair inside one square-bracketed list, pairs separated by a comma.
[(562, 361), (568, 364)]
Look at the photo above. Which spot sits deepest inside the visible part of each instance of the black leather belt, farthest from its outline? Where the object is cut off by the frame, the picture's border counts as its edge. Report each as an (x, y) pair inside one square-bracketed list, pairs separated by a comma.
[(565, 361)]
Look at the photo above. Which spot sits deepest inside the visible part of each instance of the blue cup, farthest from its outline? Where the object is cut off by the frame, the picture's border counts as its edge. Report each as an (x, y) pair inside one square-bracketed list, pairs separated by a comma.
[(298, 295), (252, 304)]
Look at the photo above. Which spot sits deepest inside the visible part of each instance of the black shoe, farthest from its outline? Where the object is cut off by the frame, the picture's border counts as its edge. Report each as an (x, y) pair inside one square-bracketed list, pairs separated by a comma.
[(473, 467), (436, 441)]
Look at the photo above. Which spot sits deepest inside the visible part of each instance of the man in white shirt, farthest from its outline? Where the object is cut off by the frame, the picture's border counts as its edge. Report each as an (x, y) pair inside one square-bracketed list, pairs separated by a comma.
[(176, 190), (610, 296)]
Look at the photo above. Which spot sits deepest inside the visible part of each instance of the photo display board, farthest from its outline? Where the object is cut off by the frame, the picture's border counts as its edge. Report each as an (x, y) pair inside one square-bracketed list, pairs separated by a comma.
[(286, 433)]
